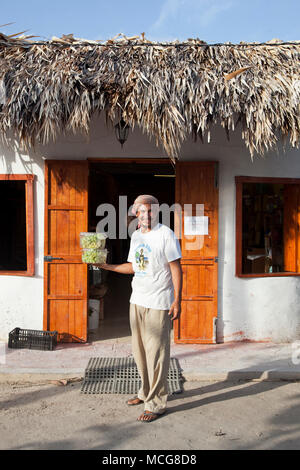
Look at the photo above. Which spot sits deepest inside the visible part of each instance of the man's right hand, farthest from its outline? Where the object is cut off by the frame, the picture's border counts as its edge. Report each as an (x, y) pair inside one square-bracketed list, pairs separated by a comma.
[(103, 266), (124, 268)]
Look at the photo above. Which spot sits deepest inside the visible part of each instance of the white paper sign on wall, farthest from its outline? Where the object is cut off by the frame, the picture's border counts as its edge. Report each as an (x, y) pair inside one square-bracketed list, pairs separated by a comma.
[(196, 225)]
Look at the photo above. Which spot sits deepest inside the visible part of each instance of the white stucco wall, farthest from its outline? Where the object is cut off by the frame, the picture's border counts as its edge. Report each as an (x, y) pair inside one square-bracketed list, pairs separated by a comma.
[(21, 297), (257, 309)]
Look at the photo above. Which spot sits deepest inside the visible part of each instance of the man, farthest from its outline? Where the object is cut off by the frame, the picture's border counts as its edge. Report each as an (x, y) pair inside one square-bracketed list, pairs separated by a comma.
[(154, 259)]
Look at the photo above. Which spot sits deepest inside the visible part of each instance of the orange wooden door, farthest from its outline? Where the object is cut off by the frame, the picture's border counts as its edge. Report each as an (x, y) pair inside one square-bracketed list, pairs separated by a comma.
[(65, 276), (197, 183), (291, 224)]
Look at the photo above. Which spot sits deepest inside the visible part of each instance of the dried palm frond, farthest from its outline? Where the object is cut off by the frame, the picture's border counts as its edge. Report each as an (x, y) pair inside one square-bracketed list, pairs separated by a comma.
[(234, 74), (168, 90)]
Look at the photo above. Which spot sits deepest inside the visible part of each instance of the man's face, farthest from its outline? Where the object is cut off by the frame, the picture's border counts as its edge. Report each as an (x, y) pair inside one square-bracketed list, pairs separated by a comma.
[(147, 215)]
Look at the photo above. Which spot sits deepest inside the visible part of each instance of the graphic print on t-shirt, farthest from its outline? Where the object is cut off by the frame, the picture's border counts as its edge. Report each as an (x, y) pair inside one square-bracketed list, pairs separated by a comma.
[(142, 258)]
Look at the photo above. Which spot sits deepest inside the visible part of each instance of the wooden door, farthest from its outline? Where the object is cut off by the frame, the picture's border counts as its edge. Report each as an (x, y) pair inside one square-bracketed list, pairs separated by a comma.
[(291, 219), (197, 183), (65, 276)]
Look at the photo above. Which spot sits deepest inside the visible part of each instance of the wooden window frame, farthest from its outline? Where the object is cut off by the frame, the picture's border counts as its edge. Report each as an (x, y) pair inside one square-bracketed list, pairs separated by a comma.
[(29, 179), (239, 181)]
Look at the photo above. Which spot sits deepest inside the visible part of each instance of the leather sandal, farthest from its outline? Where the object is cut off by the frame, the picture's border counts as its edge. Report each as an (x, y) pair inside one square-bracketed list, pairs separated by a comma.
[(150, 416), (134, 401)]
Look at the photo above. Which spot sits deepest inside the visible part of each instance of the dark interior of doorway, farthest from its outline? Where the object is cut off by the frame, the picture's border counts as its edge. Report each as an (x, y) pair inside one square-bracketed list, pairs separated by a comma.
[(108, 181), (13, 255)]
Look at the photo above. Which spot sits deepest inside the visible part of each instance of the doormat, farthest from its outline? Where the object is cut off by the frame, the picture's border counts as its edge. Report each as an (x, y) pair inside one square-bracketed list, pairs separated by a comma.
[(120, 375)]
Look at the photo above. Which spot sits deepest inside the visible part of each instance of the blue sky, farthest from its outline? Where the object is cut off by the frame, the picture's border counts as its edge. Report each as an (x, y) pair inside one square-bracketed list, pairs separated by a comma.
[(161, 20)]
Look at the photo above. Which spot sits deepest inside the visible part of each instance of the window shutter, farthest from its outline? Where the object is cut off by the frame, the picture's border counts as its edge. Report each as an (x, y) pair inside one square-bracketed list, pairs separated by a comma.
[(291, 228)]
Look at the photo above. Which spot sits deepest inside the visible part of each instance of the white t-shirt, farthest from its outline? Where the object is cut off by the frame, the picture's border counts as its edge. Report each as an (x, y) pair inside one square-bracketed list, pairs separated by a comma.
[(150, 254)]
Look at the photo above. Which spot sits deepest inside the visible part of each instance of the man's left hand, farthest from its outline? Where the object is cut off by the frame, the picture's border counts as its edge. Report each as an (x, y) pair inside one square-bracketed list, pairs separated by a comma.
[(175, 310)]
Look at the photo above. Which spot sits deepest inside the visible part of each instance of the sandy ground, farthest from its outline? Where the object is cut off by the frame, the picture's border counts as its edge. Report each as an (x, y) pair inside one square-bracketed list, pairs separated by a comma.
[(207, 415)]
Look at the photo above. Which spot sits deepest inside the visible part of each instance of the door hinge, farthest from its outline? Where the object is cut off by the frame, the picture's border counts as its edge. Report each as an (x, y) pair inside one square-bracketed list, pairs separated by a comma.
[(215, 329), (216, 174), (50, 258)]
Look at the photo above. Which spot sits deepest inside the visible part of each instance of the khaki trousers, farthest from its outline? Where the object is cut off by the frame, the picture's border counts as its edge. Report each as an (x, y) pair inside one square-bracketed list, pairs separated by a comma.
[(151, 351)]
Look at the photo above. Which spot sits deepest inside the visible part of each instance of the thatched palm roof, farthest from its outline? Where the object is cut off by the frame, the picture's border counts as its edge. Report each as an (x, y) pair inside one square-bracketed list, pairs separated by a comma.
[(170, 90)]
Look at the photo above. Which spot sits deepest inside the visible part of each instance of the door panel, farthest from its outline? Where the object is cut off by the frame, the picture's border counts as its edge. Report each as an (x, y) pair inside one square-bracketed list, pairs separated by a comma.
[(291, 228), (196, 183), (65, 279)]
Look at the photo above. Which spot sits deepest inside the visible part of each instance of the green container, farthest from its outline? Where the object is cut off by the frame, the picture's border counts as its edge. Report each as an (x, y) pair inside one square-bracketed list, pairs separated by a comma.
[(94, 256), (89, 240)]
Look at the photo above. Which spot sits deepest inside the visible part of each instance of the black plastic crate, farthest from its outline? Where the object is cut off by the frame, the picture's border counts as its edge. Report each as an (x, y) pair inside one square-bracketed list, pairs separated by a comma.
[(32, 339)]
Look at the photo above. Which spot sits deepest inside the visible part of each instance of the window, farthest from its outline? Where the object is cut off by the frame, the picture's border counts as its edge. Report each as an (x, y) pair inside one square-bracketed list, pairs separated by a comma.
[(17, 229), (267, 230)]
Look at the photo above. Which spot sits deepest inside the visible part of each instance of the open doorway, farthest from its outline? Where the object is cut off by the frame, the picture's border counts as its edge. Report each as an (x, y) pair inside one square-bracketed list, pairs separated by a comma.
[(108, 181)]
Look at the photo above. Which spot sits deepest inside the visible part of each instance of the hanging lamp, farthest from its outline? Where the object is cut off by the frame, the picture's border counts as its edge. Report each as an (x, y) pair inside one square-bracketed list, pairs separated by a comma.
[(122, 131)]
